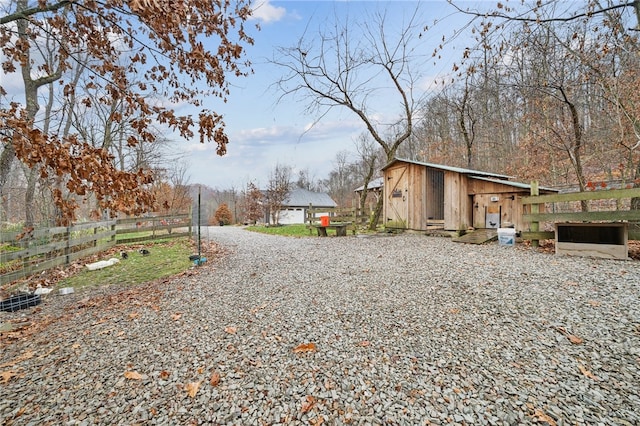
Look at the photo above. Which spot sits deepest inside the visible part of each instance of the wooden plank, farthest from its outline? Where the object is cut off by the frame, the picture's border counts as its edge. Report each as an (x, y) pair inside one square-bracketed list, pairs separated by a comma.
[(89, 251), (540, 235), (479, 236), (91, 225), (610, 216), (581, 196), (36, 250), (535, 209), (606, 251), (152, 237)]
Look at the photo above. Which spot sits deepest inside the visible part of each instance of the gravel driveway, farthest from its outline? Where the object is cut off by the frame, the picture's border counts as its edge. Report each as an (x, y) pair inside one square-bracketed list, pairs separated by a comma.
[(397, 330)]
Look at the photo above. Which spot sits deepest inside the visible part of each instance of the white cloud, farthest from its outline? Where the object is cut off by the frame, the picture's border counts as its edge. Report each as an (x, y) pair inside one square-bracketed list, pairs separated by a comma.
[(267, 13)]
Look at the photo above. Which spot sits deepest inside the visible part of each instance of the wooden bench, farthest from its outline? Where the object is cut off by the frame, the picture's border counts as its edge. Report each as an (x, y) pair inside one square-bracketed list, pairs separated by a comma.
[(340, 228), (341, 220)]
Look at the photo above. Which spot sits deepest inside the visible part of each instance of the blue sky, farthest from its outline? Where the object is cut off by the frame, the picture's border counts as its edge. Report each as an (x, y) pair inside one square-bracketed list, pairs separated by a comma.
[(263, 131)]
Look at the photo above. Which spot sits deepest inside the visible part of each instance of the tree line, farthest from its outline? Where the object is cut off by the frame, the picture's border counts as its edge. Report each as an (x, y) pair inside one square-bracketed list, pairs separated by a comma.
[(541, 90)]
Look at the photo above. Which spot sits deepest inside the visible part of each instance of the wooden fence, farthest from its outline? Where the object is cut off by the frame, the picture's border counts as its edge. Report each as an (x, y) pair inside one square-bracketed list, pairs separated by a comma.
[(353, 215), (552, 215), (24, 253)]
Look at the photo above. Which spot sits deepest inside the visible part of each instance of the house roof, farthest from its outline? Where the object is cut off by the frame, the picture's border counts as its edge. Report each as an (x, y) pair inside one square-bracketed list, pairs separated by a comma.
[(300, 197), (514, 184), (448, 168), (376, 183)]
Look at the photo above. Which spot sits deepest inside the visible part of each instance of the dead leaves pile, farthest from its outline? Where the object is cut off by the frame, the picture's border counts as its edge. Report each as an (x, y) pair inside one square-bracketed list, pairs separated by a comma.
[(191, 388)]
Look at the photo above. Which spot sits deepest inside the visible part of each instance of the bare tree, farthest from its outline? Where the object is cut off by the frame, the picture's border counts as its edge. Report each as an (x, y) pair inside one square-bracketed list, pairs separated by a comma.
[(369, 164), (348, 65), (278, 190), (590, 55)]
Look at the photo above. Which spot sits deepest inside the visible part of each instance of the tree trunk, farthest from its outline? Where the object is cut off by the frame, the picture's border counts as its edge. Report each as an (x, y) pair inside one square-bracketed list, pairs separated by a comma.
[(375, 218), (29, 197)]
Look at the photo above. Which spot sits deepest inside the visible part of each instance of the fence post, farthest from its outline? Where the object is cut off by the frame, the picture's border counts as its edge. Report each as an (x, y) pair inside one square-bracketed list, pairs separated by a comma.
[(67, 248), (535, 208)]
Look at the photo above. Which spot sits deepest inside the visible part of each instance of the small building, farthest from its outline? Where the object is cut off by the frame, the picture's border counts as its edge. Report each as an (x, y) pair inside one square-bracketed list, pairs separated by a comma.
[(423, 196), (294, 208)]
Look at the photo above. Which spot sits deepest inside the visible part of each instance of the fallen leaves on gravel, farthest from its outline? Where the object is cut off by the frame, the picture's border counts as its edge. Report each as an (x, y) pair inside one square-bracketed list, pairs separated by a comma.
[(541, 416), (24, 356), (305, 347), (133, 375), (308, 404), (586, 372), (192, 388), (215, 379), (572, 338), (7, 375)]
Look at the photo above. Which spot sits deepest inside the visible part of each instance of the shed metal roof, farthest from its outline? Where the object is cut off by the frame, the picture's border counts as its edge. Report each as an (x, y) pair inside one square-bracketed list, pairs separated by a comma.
[(514, 184), (448, 168), (373, 184)]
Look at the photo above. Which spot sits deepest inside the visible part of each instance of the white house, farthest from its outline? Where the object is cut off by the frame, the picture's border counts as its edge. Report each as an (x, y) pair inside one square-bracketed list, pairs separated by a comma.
[(294, 208)]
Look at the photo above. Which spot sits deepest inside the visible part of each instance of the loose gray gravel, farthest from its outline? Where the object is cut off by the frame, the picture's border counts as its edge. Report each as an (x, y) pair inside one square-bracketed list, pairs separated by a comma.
[(394, 330)]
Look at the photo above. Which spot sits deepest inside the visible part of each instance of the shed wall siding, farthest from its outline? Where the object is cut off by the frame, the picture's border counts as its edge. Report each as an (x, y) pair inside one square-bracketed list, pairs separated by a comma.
[(457, 202)]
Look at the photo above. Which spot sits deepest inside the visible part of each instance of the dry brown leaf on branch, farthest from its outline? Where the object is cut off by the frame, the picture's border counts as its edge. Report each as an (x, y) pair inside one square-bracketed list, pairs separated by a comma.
[(133, 375), (215, 379), (541, 416), (192, 388), (308, 404), (586, 372), (230, 330), (305, 347)]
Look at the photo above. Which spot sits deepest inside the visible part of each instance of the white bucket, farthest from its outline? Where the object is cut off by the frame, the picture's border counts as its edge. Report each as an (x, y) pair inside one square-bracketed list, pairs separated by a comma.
[(506, 236)]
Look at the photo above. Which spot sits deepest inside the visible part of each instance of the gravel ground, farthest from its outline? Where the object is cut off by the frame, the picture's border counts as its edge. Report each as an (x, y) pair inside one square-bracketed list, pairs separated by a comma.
[(397, 330)]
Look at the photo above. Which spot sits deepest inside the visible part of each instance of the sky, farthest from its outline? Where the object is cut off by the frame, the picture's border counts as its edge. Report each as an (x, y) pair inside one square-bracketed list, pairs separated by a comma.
[(265, 130)]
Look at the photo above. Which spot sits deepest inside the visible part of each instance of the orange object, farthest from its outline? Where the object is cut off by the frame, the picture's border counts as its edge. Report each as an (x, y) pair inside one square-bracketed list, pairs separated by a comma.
[(324, 220)]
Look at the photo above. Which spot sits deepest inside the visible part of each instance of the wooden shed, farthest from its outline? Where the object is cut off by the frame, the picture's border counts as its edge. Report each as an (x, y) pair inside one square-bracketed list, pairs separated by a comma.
[(423, 196)]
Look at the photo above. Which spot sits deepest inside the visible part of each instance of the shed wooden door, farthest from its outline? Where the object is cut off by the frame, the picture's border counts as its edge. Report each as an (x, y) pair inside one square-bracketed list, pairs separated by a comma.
[(397, 197)]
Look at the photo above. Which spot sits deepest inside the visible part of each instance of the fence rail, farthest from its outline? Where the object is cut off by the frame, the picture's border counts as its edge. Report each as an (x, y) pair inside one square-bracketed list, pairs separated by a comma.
[(26, 252), (535, 217), (353, 215)]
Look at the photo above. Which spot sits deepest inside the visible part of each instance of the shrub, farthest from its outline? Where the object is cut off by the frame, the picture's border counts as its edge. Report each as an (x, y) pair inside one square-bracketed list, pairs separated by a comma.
[(223, 215)]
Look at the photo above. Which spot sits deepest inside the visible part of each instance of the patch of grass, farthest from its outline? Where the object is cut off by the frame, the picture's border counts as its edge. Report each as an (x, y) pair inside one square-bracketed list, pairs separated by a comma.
[(295, 230), (166, 258)]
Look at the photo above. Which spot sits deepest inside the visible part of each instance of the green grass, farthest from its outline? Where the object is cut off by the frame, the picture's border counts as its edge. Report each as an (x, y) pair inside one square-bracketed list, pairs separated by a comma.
[(295, 230), (166, 258)]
